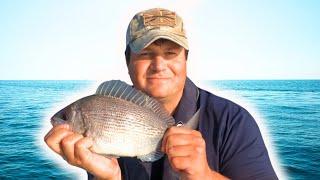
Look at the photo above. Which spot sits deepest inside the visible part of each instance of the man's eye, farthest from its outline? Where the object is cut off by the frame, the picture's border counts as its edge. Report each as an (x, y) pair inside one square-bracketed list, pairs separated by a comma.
[(170, 53), (144, 54)]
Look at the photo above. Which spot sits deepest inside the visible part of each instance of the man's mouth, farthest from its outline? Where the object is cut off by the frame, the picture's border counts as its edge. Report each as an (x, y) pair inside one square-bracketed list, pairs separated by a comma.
[(157, 78)]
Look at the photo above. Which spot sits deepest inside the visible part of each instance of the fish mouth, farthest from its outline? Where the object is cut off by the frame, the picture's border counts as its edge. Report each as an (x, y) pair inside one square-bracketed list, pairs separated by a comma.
[(59, 118)]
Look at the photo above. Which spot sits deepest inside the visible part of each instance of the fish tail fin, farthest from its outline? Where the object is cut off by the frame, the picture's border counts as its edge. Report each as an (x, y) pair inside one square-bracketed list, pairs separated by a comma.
[(151, 157), (154, 155)]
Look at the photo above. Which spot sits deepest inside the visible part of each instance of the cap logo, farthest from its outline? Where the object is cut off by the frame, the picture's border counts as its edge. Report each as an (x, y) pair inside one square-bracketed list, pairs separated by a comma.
[(159, 18)]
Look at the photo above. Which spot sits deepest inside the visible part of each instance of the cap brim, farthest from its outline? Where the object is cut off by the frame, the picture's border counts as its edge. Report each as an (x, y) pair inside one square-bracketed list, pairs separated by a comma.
[(153, 35)]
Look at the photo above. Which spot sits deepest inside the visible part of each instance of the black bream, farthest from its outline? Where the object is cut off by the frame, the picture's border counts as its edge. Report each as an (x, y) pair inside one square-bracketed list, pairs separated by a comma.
[(121, 120)]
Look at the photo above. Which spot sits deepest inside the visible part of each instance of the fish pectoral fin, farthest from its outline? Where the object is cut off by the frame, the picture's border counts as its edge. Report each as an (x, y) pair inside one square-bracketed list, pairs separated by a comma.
[(153, 156)]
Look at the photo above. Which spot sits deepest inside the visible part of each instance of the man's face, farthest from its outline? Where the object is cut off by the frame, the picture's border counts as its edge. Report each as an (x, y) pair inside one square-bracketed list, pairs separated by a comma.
[(159, 70)]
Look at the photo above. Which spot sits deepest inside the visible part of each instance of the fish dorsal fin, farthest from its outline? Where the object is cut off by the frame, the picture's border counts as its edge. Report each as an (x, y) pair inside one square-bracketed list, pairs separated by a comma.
[(122, 90)]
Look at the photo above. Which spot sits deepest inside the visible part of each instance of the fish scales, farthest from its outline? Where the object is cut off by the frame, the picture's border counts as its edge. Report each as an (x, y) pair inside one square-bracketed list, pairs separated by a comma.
[(121, 120), (116, 122), (136, 115), (127, 122)]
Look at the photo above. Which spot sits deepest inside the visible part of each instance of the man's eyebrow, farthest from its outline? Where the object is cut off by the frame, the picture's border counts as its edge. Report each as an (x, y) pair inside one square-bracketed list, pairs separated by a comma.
[(173, 48), (146, 49)]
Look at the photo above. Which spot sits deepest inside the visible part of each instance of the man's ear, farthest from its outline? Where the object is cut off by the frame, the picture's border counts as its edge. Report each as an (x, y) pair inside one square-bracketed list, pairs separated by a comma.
[(186, 53), (127, 54)]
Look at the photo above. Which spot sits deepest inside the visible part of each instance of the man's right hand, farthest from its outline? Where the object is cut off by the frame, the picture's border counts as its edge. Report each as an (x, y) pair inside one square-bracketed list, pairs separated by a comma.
[(75, 149)]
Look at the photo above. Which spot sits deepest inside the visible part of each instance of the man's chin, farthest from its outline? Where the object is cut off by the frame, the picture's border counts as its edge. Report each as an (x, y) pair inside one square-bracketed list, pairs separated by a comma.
[(158, 93)]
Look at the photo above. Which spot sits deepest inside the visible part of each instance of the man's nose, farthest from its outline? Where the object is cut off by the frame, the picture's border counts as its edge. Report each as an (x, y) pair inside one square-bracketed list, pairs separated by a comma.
[(158, 63)]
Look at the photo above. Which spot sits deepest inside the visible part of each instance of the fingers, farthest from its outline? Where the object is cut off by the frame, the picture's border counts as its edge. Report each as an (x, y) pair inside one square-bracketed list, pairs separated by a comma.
[(76, 150), (68, 148), (186, 151), (83, 153), (180, 163), (182, 130), (185, 145), (62, 126), (98, 165), (181, 151), (180, 136), (181, 157), (182, 140), (55, 136)]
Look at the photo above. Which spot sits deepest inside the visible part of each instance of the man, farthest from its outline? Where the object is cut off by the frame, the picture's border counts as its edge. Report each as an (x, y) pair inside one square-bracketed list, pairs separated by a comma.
[(226, 143)]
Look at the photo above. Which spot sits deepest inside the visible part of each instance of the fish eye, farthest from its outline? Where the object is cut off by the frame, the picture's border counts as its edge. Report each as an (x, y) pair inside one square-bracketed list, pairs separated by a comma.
[(64, 116)]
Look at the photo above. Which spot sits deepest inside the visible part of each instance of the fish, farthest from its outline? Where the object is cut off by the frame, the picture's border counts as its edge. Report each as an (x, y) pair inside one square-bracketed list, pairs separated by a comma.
[(122, 121)]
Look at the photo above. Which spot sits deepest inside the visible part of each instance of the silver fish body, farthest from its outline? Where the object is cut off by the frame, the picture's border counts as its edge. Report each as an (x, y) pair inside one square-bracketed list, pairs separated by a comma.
[(120, 124)]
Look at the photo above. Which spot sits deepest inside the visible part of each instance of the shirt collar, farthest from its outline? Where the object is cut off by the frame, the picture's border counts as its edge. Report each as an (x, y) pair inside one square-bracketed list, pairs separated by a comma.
[(188, 102)]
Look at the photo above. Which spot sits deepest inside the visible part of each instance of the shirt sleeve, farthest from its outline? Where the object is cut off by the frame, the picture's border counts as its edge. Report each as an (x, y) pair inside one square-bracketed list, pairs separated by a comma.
[(243, 153)]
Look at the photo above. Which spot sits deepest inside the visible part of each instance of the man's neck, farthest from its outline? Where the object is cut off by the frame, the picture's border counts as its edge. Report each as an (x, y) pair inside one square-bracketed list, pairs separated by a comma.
[(171, 103)]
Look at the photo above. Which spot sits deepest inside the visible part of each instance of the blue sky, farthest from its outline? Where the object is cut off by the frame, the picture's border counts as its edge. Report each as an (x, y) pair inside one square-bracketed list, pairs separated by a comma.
[(228, 40)]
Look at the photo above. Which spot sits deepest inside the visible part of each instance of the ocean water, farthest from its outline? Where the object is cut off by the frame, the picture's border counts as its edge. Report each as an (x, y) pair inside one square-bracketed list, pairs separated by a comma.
[(290, 108)]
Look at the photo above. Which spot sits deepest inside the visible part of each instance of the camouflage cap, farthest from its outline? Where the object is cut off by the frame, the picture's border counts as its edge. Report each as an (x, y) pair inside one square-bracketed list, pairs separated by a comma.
[(149, 25)]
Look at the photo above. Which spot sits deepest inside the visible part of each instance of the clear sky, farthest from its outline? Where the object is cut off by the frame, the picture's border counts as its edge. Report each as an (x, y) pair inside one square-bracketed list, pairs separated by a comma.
[(74, 39)]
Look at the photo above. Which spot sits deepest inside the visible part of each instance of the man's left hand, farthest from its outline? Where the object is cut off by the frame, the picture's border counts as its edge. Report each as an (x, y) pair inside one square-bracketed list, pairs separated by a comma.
[(186, 150)]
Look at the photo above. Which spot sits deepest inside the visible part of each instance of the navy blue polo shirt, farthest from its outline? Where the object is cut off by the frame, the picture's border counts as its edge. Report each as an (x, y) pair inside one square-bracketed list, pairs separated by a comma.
[(234, 145)]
